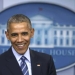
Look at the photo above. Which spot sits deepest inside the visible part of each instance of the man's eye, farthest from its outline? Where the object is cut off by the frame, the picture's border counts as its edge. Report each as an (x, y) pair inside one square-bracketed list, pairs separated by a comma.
[(25, 33), (14, 34)]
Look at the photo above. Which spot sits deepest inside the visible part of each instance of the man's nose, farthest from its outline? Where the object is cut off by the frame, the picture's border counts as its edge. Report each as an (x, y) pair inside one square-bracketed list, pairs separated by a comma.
[(19, 38)]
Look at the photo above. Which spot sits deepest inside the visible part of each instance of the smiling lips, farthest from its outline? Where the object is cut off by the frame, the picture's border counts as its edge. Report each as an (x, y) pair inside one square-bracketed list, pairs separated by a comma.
[(20, 45)]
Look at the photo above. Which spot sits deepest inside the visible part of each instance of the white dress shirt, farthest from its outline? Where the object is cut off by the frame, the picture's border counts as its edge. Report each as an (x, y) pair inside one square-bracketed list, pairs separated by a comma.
[(27, 55)]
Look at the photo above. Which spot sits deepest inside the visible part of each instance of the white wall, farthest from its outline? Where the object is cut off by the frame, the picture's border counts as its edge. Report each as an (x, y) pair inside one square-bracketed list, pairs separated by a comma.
[(1, 5), (70, 4)]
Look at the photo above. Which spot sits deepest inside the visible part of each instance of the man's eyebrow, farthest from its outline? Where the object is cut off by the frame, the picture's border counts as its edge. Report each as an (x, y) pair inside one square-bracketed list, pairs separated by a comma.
[(24, 33), (13, 34)]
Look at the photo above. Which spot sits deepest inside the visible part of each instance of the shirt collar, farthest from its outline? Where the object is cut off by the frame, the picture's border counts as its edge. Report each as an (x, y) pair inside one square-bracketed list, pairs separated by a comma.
[(18, 56)]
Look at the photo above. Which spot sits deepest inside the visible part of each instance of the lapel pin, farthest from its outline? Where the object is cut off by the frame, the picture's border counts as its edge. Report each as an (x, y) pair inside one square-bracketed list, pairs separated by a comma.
[(38, 64)]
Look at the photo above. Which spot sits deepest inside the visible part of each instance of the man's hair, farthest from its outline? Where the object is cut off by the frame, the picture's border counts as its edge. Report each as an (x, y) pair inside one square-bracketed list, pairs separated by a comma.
[(18, 18)]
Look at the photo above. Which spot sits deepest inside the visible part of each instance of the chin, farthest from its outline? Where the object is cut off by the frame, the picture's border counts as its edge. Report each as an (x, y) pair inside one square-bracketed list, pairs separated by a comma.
[(21, 52)]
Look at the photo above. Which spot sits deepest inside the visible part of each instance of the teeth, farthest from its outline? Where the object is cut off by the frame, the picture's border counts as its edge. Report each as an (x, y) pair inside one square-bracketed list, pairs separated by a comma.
[(21, 45)]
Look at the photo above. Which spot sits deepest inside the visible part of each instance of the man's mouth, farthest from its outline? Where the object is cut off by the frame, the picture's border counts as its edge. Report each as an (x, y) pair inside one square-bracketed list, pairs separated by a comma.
[(20, 45)]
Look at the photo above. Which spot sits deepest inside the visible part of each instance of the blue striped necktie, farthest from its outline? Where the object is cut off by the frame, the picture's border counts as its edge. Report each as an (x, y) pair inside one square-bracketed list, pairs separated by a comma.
[(23, 66)]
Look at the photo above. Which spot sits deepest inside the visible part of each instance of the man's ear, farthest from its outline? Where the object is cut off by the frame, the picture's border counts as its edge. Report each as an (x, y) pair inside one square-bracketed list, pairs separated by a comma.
[(32, 32), (7, 34)]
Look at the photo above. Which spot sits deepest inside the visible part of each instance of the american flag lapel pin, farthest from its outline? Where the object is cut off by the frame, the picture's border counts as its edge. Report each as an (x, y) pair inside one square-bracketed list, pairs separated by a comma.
[(38, 64)]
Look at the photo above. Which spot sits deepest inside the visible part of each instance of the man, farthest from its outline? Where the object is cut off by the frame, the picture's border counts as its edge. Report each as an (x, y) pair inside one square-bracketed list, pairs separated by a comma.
[(19, 32)]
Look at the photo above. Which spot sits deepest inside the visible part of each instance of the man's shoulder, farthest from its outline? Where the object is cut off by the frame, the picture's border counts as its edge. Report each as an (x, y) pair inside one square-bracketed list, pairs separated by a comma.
[(41, 55), (3, 55)]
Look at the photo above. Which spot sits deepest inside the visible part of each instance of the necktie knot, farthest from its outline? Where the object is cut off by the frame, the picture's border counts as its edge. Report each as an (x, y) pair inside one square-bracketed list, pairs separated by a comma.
[(23, 59)]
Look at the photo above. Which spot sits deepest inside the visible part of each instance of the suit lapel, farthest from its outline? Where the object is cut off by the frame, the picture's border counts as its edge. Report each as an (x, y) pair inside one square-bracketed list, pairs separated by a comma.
[(35, 64), (12, 63)]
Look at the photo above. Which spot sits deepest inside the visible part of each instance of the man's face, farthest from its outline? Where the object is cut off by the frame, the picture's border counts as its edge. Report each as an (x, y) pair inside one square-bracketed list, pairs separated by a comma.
[(19, 35)]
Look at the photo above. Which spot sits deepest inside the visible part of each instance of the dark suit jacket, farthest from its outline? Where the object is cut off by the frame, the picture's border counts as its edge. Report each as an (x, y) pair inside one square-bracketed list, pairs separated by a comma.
[(10, 66)]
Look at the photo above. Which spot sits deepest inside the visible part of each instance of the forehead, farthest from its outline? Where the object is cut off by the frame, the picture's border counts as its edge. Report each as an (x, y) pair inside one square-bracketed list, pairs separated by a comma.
[(21, 24), (17, 27)]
